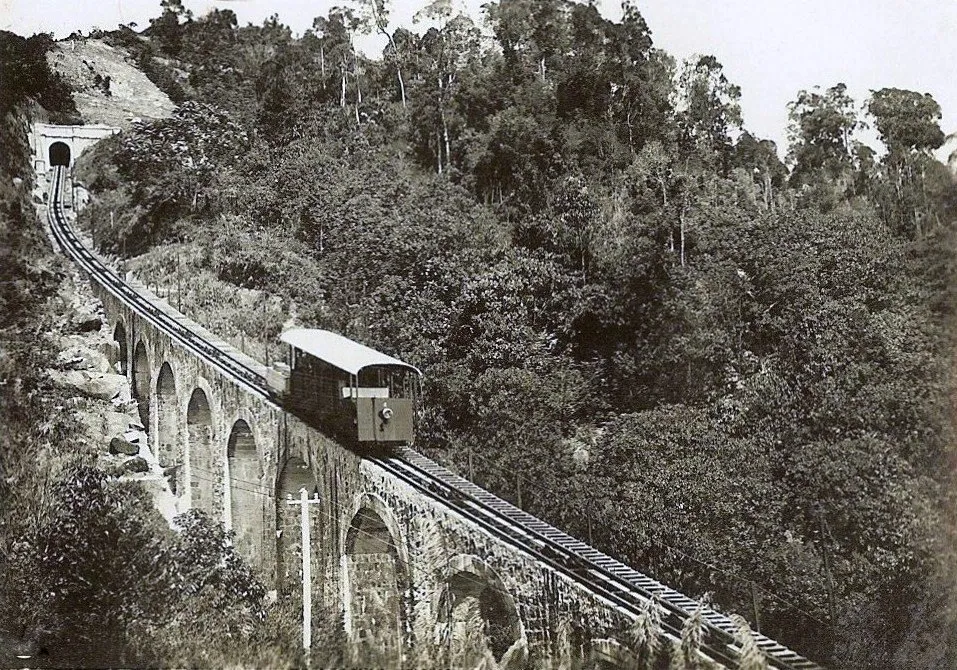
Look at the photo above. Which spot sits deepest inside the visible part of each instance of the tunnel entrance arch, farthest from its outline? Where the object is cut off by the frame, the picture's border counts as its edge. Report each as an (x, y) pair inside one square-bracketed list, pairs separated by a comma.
[(122, 360), (474, 593), (202, 471), (374, 581), (167, 436), (141, 383), (246, 495), (59, 154)]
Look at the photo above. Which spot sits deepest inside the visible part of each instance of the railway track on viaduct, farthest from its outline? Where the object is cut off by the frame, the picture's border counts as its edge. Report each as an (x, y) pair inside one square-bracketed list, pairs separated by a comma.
[(619, 585)]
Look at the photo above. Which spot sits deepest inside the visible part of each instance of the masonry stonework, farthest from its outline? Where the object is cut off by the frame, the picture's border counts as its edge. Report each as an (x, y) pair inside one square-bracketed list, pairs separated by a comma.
[(46, 139)]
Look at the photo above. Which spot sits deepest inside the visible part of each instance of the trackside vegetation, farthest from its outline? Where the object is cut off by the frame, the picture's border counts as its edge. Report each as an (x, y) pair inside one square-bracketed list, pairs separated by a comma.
[(90, 574)]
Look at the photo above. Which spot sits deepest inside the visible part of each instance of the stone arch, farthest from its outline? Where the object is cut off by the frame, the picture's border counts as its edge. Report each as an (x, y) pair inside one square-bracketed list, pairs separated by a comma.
[(122, 356), (295, 475), (167, 433), (474, 591), (59, 154), (374, 579), (203, 470), (141, 382), (374, 504), (247, 497), (610, 654)]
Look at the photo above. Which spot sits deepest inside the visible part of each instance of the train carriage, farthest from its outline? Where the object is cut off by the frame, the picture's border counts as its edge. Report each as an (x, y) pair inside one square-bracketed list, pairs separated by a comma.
[(360, 394)]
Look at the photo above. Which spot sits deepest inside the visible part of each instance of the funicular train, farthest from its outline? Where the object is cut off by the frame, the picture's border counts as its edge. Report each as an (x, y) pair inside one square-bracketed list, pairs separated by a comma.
[(358, 394)]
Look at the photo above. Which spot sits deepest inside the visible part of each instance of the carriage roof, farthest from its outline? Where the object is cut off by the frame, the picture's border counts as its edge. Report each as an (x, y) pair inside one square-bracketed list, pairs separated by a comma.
[(339, 351)]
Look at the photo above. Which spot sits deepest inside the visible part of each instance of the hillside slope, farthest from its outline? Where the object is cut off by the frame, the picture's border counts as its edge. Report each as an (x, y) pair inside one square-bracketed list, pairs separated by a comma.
[(87, 65)]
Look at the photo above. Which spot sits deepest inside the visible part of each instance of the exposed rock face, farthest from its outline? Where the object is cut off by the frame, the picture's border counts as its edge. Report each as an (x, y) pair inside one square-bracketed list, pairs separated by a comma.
[(103, 386), (88, 64), (83, 358), (88, 324), (120, 446), (105, 424), (135, 464)]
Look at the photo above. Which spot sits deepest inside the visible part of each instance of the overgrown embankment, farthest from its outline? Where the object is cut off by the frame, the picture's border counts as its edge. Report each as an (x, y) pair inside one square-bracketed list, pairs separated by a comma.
[(92, 575)]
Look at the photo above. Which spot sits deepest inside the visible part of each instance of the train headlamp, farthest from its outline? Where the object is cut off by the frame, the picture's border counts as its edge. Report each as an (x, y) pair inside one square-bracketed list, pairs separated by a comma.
[(386, 413)]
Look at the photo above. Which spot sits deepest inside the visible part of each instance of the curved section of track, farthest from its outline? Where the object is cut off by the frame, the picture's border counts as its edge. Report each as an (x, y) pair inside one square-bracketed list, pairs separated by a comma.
[(620, 586)]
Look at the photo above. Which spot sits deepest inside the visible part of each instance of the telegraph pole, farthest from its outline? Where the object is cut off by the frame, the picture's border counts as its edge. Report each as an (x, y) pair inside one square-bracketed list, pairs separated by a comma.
[(304, 503)]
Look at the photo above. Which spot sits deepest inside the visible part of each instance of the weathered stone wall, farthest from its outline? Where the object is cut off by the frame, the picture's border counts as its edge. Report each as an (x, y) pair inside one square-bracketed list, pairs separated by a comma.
[(191, 411)]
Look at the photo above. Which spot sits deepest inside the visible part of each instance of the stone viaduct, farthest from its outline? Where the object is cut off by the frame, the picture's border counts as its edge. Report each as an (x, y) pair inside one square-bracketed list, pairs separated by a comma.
[(409, 576)]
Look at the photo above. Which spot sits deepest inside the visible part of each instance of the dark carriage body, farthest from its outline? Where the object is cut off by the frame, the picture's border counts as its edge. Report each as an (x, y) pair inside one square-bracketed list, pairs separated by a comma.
[(347, 388)]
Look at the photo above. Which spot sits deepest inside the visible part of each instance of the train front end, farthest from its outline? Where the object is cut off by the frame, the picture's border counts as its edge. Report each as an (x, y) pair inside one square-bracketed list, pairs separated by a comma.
[(360, 394)]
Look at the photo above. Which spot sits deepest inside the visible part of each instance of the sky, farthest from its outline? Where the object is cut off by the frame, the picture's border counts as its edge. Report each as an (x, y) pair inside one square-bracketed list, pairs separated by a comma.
[(771, 48)]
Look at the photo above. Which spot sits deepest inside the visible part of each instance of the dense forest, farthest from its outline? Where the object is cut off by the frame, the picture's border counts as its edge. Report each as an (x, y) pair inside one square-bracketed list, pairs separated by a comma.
[(636, 321)]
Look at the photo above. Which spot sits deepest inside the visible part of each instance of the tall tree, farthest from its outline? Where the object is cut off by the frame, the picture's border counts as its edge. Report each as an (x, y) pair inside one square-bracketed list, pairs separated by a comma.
[(708, 107), (170, 26), (377, 19), (909, 126), (445, 52), (337, 32), (820, 130)]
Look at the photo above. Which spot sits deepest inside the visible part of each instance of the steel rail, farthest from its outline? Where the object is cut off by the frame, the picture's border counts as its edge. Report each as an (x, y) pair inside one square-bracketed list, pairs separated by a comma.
[(185, 336), (600, 574), (576, 559)]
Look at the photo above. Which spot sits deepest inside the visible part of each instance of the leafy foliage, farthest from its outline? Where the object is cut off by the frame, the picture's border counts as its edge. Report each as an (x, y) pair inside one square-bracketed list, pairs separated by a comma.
[(25, 74)]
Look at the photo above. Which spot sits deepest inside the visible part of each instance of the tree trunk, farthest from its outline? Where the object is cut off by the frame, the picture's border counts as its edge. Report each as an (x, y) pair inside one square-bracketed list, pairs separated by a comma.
[(398, 71), (322, 65), (681, 223), (438, 151), (398, 66), (445, 137), (355, 62), (631, 131)]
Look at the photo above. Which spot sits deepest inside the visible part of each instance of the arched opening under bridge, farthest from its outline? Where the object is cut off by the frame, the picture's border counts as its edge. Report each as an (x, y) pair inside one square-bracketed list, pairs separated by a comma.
[(141, 383), (373, 569), (166, 424), (59, 154), (246, 494), (202, 471), (482, 619), (296, 474)]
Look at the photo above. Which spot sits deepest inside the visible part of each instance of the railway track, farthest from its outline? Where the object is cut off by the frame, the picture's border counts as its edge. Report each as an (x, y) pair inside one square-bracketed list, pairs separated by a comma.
[(616, 583)]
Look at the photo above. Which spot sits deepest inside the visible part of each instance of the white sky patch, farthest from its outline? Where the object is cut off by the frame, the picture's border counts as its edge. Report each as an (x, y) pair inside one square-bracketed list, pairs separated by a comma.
[(771, 48)]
